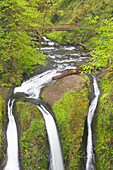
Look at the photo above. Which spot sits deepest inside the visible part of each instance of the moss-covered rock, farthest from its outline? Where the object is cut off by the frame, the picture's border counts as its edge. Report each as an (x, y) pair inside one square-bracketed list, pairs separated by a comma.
[(103, 123), (54, 91), (33, 143), (68, 98)]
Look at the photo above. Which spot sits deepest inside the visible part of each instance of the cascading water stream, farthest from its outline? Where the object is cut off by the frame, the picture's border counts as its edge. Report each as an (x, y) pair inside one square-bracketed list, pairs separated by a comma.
[(90, 164), (60, 59), (32, 87), (57, 161), (12, 139)]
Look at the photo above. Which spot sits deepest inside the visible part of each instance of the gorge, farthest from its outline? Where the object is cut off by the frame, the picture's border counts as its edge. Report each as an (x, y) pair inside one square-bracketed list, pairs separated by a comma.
[(49, 79), (60, 59)]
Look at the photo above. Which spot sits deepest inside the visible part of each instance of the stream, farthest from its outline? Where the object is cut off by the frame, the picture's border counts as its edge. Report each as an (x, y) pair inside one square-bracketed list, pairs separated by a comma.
[(90, 164), (59, 59), (12, 138)]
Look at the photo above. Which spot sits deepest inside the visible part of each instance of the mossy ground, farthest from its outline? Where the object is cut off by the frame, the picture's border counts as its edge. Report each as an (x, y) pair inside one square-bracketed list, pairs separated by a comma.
[(33, 143), (104, 125)]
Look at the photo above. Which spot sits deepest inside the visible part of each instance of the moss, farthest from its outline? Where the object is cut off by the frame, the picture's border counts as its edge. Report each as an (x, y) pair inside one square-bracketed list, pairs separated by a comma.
[(104, 125), (33, 143), (70, 112)]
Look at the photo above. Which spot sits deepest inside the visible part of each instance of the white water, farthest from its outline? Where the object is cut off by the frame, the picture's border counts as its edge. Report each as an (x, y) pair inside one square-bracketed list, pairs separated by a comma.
[(32, 87), (57, 161), (12, 139), (35, 84), (90, 156)]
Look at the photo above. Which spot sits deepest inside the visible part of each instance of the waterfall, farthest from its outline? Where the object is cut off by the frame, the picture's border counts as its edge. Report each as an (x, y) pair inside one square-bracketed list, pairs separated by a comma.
[(60, 59), (90, 156), (32, 87), (12, 139), (56, 161)]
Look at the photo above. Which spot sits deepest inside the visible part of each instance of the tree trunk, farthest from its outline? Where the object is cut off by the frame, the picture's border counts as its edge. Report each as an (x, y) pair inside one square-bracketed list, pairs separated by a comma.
[(67, 73), (83, 45)]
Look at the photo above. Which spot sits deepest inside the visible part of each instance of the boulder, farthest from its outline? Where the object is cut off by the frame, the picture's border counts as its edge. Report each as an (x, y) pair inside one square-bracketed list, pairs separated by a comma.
[(54, 91)]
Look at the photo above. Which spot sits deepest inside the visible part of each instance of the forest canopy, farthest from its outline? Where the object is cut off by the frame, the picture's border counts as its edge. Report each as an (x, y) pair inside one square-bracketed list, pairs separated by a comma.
[(17, 52)]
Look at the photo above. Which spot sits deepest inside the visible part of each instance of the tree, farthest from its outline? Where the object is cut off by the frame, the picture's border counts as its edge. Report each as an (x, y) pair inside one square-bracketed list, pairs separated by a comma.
[(102, 56), (17, 52)]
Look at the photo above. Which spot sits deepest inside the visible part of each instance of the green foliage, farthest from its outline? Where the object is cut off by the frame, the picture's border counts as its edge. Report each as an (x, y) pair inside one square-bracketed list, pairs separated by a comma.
[(93, 27), (87, 80), (102, 56), (104, 130), (61, 37), (70, 112), (17, 52)]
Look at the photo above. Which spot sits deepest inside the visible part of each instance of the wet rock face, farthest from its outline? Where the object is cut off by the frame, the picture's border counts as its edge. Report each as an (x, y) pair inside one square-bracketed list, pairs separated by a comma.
[(69, 100)]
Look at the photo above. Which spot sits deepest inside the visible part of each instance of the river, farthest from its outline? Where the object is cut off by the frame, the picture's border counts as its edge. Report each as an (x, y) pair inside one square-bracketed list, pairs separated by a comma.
[(59, 59)]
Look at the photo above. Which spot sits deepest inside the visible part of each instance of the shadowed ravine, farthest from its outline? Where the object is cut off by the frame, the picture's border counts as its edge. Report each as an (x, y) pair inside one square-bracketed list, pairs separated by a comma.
[(60, 59)]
